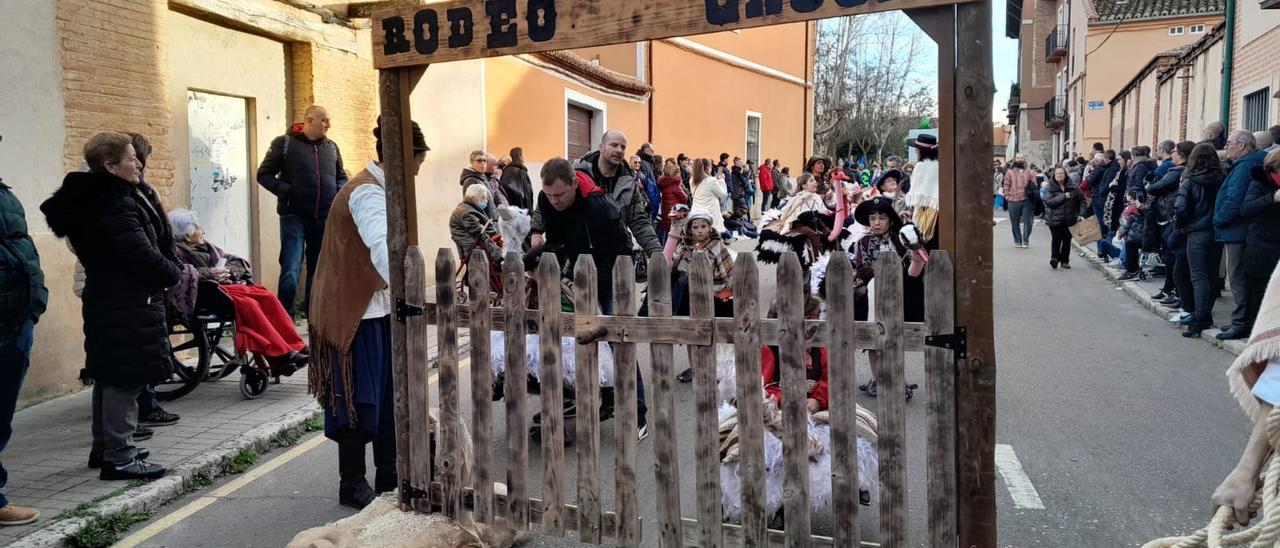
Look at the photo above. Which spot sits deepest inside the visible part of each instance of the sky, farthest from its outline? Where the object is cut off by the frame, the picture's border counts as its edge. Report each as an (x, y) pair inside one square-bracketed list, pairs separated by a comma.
[(1004, 57)]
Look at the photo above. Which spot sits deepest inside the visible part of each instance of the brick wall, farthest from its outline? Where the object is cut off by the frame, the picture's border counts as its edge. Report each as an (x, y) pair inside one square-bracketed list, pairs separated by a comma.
[(112, 77), (347, 86), (1254, 67)]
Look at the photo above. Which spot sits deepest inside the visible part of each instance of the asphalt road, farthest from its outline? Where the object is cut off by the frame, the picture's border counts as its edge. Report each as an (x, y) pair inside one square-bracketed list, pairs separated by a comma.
[(1122, 427)]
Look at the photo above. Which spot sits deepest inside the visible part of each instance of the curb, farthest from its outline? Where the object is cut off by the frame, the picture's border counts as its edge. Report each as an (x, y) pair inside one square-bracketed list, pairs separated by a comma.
[(173, 485), (1235, 347)]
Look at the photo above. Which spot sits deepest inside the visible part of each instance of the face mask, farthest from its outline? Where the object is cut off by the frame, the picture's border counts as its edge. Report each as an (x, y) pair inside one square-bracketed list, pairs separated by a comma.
[(483, 205), (889, 194)]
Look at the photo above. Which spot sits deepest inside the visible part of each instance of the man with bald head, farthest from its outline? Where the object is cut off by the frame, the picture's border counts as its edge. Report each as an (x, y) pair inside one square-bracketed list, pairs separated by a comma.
[(1230, 228), (303, 168), (607, 167)]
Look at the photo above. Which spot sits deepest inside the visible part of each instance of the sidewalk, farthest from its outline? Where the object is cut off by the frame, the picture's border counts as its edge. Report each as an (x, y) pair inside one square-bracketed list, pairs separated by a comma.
[(1142, 292), (48, 455)]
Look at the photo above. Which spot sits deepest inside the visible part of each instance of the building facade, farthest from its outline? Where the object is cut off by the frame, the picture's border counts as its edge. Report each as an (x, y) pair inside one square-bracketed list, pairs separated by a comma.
[(1189, 89), (1255, 80), (1136, 110), (211, 83), (1042, 41)]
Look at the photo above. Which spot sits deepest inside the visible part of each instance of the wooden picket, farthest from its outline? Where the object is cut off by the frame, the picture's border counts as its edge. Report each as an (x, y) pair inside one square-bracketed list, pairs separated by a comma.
[(590, 518)]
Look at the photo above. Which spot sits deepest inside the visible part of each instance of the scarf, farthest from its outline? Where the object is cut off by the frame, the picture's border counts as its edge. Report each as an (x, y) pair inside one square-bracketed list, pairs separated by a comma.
[(803, 202), (923, 198)]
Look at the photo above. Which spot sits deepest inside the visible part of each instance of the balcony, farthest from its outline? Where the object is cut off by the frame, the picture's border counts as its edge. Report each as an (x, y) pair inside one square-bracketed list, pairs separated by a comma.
[(1055, 112), (1015, 101), (1055, 44)]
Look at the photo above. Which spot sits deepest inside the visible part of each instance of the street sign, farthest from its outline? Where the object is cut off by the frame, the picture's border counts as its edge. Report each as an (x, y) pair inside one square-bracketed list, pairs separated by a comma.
[(415, 34), (1096, 105)]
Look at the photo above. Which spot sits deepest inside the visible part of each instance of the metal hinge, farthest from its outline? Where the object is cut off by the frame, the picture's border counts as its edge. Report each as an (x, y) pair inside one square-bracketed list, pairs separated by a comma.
[(409, 493), (957, 341), (405, 310)]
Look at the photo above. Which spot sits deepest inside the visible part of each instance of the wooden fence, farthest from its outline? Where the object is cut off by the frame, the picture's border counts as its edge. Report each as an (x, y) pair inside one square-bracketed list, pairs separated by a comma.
[(453, 492)]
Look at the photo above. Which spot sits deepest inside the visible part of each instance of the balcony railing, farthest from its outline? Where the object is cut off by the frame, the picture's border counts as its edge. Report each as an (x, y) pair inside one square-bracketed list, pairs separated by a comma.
[(1055, 112), (1055, 45)]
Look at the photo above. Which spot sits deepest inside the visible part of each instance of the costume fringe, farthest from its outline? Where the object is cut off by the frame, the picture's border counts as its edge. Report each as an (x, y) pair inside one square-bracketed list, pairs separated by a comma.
[(1262, 348), (325, 356)]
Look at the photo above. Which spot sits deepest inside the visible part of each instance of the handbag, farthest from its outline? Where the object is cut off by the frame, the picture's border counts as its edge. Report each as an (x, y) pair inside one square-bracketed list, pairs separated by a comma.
[(642, 267), (1085, 233)]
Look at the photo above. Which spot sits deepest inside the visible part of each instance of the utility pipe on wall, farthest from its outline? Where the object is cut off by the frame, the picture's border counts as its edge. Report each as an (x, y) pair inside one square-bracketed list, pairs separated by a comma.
[(1228, 52)]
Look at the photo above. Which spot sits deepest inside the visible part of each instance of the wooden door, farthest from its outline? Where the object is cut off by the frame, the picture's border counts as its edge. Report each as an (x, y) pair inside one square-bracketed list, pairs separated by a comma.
[(578, 137)]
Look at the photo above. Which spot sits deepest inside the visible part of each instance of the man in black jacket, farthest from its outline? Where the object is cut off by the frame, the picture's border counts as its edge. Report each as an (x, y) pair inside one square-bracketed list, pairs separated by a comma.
[(579, 218), (22, 299), (303, 168)]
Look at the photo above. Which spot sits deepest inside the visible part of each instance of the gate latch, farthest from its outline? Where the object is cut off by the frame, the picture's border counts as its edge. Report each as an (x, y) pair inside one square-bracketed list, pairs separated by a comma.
[(957, 342), (405, 310)]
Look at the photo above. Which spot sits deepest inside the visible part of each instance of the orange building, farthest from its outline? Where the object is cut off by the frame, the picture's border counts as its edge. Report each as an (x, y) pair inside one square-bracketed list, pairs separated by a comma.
[(746, 93)]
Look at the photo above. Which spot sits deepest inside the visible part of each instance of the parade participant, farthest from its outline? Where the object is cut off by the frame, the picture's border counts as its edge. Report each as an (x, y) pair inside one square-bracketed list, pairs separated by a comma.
[(883, 241), (800, 226), (819, 167), (700, 235), (923, 198), (888, 186), (350, 329)]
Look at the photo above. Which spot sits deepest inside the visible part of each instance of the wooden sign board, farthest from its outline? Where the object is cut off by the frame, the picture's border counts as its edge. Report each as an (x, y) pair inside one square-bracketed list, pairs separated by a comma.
[(420, 34)]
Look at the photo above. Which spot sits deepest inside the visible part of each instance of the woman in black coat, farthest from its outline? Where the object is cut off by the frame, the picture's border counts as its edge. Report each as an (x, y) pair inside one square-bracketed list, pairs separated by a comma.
[(1064, 205), (1193, 213), (1261, 207), (115, 231)]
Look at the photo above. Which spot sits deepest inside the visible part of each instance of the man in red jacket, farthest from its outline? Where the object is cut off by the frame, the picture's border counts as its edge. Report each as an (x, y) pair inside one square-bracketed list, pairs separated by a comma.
[(768, 189)]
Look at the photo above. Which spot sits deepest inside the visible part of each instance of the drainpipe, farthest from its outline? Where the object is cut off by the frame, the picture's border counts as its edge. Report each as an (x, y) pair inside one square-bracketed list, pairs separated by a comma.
[(1229, 39)]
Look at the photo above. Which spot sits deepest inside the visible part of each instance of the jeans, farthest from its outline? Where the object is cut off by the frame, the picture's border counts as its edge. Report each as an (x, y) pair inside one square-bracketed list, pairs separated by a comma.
[(15, 357), (1240, 317), (147, 403), (1203, 254), (1060, 248), (1181, 273), (1021, 216), (299, 237), (1132, 252), (1106, 249), (769, 200)]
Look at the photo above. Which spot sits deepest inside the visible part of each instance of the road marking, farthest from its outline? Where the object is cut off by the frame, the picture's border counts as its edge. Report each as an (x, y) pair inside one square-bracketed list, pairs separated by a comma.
[(1024, 494), (998, 220), (146, 533)]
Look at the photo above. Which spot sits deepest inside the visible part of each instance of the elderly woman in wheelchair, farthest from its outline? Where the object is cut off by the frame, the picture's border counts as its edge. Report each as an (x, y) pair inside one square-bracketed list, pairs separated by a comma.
[(226, 290)]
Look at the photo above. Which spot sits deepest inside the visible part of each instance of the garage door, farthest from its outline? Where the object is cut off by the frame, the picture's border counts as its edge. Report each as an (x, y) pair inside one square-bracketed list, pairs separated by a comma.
[(578, 139)]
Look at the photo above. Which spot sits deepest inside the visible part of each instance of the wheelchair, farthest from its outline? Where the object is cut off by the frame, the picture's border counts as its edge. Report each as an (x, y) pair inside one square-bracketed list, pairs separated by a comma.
[(202, 349)]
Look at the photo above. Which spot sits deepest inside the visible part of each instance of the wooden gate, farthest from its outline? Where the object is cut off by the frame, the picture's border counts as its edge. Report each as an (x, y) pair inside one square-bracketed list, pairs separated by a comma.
[(463, 477)]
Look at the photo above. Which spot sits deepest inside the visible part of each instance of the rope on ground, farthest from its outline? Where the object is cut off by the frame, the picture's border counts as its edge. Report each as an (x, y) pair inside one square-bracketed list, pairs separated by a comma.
[(1265, 532)]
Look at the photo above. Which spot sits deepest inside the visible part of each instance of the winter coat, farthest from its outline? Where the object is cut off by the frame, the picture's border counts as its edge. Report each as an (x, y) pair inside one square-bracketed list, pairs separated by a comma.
[(23, 296), (1115, 196), (1138, 173), (652, 196), (594, 225), (1063, 205), (766, 179), (469, 224), (1164, 195), (633, 204), (1262, 240), (1016, 182), (672, 194), (1228, 226), (517, 186), (204, 258), (113, 229), (305, 177), (472, 177), (1194, 205), (708, 195), (1164, 167)]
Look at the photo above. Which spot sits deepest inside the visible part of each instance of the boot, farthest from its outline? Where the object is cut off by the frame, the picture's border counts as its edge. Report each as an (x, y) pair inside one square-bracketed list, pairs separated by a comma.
[(385, 479), (353, 488)]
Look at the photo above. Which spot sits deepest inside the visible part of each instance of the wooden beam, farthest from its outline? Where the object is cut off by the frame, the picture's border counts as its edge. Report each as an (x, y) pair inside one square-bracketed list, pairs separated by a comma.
[(272, 19), (973, 90), (939, 23), (455, 30)]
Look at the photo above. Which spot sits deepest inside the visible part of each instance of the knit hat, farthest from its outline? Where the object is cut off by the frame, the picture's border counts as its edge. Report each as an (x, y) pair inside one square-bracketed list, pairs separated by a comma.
[(700, 213), (419, 140), (879, 204)]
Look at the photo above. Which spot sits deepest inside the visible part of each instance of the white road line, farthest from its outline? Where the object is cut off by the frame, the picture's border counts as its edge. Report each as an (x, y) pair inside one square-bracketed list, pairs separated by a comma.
[(1024, 494)]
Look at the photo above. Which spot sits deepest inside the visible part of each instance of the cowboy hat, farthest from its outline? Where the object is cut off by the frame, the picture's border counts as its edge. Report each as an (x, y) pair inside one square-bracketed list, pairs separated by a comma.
[(925, 140), (879, 204)]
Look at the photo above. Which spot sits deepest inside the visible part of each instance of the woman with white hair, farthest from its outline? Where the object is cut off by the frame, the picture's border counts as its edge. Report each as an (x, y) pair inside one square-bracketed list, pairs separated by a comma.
[(471, 228), (263, 327)]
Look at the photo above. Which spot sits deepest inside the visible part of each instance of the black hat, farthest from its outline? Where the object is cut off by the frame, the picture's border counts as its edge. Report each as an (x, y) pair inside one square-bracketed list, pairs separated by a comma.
[(879, 204), (419, 140), (925, 140), (891, 174)]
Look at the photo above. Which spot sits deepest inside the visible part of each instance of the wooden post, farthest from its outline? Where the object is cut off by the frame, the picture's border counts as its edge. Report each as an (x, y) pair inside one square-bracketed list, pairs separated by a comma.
[(481, 386), (702, 358), (551, 376), (890, 372), (746, 312), (624, 404), (795, 418), (517, 370), (419, 416), (976, 375), (447, 429), (587, 391), (842, 367), (940, 389), (397, 144), (666, 456)]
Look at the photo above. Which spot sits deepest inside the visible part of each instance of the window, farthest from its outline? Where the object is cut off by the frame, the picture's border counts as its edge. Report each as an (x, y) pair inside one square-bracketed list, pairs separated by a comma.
[(1175, 31), (1255, 109), (753, 137), (585, 119), (1197, 29)]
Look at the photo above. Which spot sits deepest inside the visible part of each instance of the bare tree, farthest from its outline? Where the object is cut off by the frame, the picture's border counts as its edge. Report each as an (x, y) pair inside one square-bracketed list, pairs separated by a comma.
[(870, 86)]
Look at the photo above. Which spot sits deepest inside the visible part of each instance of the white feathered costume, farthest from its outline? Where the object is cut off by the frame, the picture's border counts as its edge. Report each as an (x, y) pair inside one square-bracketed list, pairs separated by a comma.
[(568, 353)]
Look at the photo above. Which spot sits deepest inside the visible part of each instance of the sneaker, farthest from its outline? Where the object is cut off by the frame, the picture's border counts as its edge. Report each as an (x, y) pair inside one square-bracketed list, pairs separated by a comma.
[(143, 433), (642, 431), (1181, 319), (1160, 296), (134, 469), (159, 417), (1053, 263), (11, 514), (1066, 266), (1130, 275), (95, 459), (1170, 300), (685, 376)]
